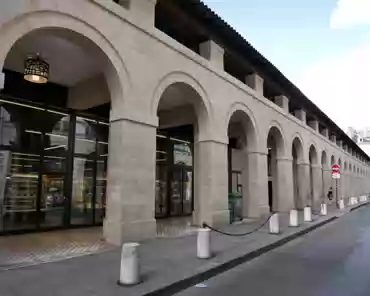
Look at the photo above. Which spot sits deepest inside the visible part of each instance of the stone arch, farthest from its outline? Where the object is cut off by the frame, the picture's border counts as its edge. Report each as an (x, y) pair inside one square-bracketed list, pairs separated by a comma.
[(249, 123), (116, 72), (298, 159), (276, 148), (242, 148), (314, 163), (275, 130), (332, 160), (199, 99), (313, 155), (297, 147), (324, 159)]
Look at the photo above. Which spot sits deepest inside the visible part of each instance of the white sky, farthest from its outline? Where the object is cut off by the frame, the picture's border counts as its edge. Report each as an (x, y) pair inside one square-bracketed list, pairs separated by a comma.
[(340, 84)]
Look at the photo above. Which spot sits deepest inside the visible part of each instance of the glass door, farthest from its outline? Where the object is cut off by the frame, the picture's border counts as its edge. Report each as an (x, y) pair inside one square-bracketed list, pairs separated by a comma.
[(181, 198), (52, 204)]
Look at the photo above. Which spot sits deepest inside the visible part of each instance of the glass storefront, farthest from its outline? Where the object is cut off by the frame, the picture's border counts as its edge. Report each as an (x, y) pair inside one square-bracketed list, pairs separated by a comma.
[(53, 167), (174, 173)]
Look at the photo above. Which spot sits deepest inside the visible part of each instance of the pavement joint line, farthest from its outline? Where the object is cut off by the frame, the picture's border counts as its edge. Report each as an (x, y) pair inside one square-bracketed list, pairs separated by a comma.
[(183, 284)]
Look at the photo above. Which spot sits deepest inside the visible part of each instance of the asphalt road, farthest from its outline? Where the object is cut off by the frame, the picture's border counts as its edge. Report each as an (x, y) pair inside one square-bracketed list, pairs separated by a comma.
[(333, 261)]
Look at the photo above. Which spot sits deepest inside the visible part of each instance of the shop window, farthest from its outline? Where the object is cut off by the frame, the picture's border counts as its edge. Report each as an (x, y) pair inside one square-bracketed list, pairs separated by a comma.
[(8, 131)]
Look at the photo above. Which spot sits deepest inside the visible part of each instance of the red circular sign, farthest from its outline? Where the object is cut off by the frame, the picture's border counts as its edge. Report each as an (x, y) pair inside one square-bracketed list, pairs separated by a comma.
[(335, 168)]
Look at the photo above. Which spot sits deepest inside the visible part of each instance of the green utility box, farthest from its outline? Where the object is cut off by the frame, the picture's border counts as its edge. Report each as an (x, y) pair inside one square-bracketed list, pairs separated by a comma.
[(235, 207)]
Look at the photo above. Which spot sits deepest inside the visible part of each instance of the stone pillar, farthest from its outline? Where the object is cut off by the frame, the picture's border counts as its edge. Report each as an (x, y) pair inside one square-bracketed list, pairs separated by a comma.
[(304, 186), (131, 182), (314, 124), (256, 181), (211, 51), (283, 102), (333, 138), (210, 183), (285, 191), (317, 185), (340, 143), (327, 180), (143, 11), (2, 80), (300, 114), (255, 82)]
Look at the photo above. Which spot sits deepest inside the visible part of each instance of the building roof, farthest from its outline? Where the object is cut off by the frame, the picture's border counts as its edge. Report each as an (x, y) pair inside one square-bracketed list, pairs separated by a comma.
[(232, 39)]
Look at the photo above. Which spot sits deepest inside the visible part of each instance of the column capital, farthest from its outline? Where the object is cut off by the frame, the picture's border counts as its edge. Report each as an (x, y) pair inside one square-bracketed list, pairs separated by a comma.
[(290, 159), (135, 121), (257, 152)]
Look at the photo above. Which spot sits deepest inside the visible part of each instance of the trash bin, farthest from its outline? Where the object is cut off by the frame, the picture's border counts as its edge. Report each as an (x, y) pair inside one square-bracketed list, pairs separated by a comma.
[(235, 207)]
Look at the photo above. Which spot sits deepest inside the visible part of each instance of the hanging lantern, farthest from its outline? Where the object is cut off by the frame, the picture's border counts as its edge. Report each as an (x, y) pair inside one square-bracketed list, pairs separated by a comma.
[(36, 70)]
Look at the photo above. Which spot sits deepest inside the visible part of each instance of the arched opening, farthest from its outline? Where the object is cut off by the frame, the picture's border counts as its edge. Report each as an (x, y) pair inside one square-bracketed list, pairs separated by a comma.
[(54, 136), (275, 150), (313, 162), (181, 112), (242, 139), (297, 154), (324, 167)]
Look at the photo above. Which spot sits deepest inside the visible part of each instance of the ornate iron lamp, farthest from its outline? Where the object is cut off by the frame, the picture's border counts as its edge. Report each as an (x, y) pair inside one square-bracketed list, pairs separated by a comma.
[(36, 70)]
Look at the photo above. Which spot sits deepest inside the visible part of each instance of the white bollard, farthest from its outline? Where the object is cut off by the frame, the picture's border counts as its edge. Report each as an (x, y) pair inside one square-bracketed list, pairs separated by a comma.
[(307, 214), (274, 224), (341, 204), (204, 243), (324, 209), (130, 270), (293, 218)]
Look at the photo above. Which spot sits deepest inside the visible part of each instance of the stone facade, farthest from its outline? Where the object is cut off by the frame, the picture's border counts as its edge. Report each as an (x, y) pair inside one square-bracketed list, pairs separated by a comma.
[(141, 64)]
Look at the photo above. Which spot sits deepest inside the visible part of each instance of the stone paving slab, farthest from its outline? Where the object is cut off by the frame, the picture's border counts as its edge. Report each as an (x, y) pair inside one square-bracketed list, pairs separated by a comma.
[(168, 265)]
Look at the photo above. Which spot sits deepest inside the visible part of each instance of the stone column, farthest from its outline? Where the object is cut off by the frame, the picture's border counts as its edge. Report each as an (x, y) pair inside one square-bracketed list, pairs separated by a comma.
[(283, 102), (255, 184), (210, 183), (327, 180), (317, 185), (303, 184), (285, 191), (131, 182)]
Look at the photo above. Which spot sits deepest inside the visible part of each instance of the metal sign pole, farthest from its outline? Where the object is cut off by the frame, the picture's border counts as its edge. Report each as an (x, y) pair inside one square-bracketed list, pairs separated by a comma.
[(336, 192)]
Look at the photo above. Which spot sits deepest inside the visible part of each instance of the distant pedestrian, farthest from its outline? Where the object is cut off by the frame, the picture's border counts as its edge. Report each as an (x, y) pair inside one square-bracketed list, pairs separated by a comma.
[(330, 193)]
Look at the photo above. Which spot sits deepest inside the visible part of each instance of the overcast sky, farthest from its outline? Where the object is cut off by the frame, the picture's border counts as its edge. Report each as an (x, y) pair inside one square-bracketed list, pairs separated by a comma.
[(323, 46)]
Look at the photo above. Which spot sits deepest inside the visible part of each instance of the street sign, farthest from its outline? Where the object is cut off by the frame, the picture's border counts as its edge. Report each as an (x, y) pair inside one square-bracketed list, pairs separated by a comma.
[(335, 171)]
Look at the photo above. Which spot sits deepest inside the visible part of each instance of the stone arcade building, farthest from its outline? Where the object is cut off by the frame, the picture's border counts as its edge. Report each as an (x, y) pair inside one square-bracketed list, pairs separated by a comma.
[(189, 110)]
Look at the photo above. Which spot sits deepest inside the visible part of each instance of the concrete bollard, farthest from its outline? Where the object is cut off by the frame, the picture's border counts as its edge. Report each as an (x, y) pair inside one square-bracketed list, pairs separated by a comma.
[(274, 224), (341, 204), (130, 269), (204, 243), (324, 209), (293, 218), (307, 214), (355, 200)]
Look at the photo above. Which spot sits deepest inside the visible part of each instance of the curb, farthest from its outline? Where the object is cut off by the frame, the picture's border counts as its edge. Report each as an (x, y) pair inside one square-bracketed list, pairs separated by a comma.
[(205, 275), (359, 206)]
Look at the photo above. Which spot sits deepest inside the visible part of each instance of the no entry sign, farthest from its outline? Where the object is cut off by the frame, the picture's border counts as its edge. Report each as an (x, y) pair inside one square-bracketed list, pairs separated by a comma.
[(335, 171)]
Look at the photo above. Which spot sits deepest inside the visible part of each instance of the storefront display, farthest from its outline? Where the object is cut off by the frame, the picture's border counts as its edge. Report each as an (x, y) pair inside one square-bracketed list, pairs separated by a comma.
[(52, 168)]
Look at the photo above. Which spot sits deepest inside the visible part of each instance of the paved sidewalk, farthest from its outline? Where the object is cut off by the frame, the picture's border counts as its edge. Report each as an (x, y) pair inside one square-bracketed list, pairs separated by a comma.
[(165, 262)]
